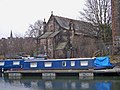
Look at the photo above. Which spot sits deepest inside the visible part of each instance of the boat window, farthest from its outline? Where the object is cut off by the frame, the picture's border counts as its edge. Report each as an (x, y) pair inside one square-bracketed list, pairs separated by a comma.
[(2, 63), (33, 64), (64, 63), (72, 63), (16, 62), (48, 64), (83, 63)]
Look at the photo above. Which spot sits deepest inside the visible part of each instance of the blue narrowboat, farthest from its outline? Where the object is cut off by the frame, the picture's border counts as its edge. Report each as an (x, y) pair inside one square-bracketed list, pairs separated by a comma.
[(74, 63), (46, 64)]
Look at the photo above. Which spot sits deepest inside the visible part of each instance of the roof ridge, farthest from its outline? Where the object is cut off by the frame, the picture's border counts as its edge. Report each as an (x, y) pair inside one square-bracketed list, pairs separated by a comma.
[(71, 19), (65, 17)]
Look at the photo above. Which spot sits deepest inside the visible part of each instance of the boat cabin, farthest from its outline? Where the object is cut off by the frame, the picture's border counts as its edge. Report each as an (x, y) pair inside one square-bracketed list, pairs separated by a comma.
[(75, 63)]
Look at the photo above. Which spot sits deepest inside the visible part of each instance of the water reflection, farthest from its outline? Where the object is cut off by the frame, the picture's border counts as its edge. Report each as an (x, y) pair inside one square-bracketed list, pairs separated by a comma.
[(103, 85), (61, 83)]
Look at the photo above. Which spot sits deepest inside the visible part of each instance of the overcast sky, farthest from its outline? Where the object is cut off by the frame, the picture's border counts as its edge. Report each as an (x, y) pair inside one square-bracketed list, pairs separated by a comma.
[(16, 15)]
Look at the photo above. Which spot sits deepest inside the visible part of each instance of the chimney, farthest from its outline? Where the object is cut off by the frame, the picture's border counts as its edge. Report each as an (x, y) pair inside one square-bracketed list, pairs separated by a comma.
[(70, 25), (44, 26)]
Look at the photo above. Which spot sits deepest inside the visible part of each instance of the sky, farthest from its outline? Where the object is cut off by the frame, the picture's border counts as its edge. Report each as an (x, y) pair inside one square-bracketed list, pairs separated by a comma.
[(17, 15)]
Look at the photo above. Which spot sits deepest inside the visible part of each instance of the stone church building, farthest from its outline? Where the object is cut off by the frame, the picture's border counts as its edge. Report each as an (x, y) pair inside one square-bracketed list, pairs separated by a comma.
[(67, 38)]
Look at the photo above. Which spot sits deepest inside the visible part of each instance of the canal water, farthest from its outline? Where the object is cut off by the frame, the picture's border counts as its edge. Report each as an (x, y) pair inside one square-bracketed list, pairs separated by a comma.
[(59, 83)]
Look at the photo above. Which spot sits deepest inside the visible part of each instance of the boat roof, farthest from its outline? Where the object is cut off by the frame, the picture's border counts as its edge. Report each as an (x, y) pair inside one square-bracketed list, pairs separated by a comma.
[(68, 59), (11, 60)]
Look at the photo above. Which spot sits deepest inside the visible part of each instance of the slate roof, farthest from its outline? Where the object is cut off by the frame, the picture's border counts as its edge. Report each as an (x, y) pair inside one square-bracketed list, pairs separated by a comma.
[(45, 35), (61, 45), (79, 26), (49, 35), (54, 34)]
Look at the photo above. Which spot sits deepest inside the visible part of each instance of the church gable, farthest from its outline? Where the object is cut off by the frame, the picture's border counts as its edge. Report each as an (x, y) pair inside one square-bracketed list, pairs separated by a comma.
[(52, 25)]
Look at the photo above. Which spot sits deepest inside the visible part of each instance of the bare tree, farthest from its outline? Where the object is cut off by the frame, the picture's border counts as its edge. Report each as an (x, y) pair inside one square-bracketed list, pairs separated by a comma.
[(35, 29), (3, 47), (29, 45), (98, 12)]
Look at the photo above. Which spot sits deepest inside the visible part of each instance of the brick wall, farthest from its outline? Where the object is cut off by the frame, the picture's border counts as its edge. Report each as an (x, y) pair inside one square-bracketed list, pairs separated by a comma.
[(116, 21), (116, 17)]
